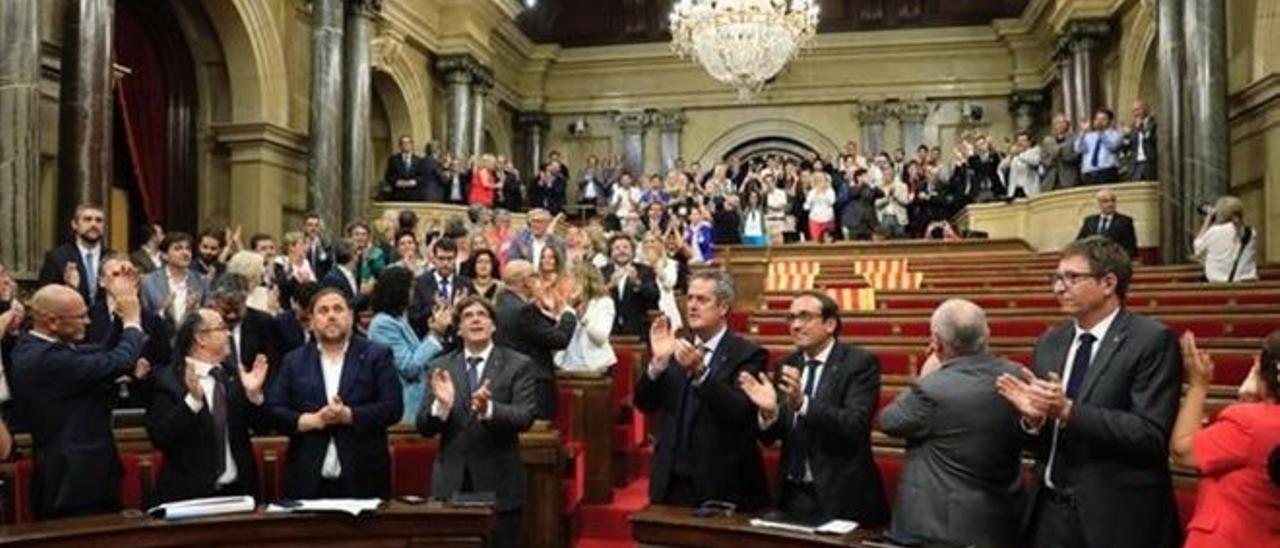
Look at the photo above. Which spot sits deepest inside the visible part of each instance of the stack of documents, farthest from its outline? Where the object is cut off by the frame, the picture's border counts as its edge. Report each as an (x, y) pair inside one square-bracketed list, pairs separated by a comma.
[(195, 508), (832, 527), (352, 507)]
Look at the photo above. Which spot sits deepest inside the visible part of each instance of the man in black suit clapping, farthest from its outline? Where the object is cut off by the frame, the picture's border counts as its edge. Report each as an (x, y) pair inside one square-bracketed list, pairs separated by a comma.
[(1116, 226), (706, 446), (533, 321), (632, 285)]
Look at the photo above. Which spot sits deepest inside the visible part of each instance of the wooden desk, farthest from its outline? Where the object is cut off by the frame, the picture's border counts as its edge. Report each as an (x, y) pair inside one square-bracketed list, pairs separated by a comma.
[(663, 526), (398, 524)]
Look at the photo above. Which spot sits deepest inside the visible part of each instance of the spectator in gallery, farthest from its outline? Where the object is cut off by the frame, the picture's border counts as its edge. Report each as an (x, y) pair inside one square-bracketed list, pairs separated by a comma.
[(698, 235), (891, 205), (859, 215), (820, 203), (626, 196), (592, 185), (726, 221), (484, 184), (1227, 246), (147, 257), (1097, 145), (775, 216), (1236, 504), (1023, 168), (1060, 160), (754, 229), (405, 177), (984, 168), (511, 195), (1116, 226), (1140, 142)]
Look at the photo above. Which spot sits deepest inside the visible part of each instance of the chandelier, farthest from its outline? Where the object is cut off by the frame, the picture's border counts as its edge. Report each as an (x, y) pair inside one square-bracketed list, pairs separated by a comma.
[(743, 43)]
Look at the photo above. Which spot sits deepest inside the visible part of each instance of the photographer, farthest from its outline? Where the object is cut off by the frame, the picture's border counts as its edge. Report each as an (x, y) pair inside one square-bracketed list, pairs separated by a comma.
[(1226, 245)]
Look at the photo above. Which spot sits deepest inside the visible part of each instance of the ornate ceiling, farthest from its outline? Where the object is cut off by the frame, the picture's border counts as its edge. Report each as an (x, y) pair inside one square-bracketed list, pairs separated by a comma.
[(601, 22)]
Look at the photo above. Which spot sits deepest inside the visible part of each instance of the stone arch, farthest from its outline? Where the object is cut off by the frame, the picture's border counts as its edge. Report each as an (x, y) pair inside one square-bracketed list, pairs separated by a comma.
[(402, 87), (399, 111), (497, 127), (254, 57), (763, 128), (1136, 48)]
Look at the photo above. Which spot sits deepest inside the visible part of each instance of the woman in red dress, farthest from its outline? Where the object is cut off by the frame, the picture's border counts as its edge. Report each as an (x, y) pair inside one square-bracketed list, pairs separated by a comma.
[(484, 182), (1237, 504)]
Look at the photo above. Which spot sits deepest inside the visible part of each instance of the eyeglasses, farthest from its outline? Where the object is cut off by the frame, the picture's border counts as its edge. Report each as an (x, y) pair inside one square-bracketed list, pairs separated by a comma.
[(1070, 279)]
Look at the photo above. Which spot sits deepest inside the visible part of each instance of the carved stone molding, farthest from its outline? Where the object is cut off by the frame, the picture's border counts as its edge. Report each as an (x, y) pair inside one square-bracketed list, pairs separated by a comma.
[(530, 119), (668, 121), (631, 122), (1083, 35), (462, 68), (872, 112), (364, 8), (913, 112)]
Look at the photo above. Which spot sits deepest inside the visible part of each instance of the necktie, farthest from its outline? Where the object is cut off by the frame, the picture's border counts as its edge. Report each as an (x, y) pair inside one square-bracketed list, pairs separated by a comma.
[(444, 289), (234, 356), (219, 420), (406, 160), (1079, 366), (797, 445), (473, 374), (1104, 224), (91, 275), (1097, 150)]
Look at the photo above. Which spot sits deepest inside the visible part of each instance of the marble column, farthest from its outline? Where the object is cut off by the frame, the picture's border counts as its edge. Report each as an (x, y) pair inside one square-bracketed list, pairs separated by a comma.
[(911, 118), (459, 72), (871, 117), (19, 133), (1027, 108), (633, 125), (1085, 40), (1177, 210), (358, 91), (1067, 81), (531, 125), (1207, 159), (669, 124), (85, 106), (324, 130), (479, 92)]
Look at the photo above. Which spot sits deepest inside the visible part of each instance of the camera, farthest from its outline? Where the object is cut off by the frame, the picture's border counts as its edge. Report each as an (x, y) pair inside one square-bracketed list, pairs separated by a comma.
[(1206, 208)]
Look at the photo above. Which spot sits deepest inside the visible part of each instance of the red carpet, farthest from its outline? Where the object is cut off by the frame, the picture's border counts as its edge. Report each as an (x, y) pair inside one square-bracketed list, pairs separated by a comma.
[(606, 525)]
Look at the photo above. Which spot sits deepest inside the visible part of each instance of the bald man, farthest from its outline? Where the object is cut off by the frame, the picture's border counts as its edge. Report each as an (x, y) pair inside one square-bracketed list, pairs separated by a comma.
[(1140, 142), (1118, 227), (535, 323), (64, 391)]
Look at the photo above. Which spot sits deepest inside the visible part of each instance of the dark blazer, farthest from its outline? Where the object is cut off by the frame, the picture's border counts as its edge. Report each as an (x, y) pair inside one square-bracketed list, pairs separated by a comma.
[(1120, 231), (369, 385), (728, 465), (962, 478), (396, 170), (65, 393), (638, 298), (838, 423), (489, 450), (260, 334), (157, 347), (425, 289), (191, 456), (335, 279), (292, 334), (1114, 451), (525, 329), (55, 261), (1150, 146)]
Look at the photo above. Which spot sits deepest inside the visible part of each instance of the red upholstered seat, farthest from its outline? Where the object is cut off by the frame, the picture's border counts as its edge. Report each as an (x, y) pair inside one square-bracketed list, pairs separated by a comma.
[(773, 466), (411, 464), (565, 414), (22, 471), (897, 361), (890, 465), (1230, 368), (130, 480)]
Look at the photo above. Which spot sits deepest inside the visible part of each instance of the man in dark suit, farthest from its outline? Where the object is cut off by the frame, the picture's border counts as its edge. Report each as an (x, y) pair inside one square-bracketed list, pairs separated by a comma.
[(1099, 410), (106, 327), (343, 274), (318, 248), (481, 398), (335, 400), (1116, 226), (64, 393), (77, 263), (254, 333), (828, 392), (202, 412), (404, 179), (962, 479), (1140, 141), (706, 447), (294, 324), (633, 286), (534, 322), (441, 284)]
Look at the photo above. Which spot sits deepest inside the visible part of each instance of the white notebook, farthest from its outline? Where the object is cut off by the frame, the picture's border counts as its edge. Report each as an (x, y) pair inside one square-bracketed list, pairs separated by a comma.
[(353, 507), (211, 506)]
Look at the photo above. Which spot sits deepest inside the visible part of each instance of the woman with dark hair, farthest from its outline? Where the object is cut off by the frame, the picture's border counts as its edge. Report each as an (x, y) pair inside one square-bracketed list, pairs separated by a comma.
[(482, 270), (1238, 504), (390, 327)]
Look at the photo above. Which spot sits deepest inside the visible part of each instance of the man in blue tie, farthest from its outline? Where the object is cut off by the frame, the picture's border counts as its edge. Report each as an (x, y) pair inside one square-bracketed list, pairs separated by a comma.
[(1098, 145), (1099, 409)]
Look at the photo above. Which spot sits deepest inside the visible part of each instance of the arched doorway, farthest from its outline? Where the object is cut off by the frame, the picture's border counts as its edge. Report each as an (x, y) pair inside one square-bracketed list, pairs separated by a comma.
[(784, 148)]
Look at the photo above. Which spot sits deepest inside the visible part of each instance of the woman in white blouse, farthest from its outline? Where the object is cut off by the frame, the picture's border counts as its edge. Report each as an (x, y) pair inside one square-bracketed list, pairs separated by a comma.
[(667, 274), (820, 202), (1227, 246), (589, 348)]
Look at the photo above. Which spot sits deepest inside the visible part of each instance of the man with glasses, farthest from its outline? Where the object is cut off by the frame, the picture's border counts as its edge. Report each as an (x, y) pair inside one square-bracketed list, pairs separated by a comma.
[(1099, 409), (201, 414), (821, 410), (60, 387)]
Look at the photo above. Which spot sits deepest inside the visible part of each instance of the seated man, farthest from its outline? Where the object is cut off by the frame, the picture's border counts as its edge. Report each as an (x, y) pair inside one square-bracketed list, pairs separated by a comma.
[(962, 479), (481, 398)]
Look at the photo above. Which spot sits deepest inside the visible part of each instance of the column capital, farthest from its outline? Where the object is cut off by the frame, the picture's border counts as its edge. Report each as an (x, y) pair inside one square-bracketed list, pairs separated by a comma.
[(1083, 35), (631, 122), (531, 119), (1028, 98), (668, 121), (913, 112), (460, 68), (873, 112), (364, 8)]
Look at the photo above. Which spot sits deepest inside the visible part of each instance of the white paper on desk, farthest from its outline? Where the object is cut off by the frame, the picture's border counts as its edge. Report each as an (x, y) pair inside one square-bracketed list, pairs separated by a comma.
[(210, 506), (837, 527), (833, 527), (353, 507)]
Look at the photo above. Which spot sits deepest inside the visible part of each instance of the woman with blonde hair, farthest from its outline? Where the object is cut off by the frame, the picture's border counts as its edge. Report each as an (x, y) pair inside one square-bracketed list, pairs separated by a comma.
[(667, 273), (252, 266), (484, 181), (589, 348), (1226, 245)]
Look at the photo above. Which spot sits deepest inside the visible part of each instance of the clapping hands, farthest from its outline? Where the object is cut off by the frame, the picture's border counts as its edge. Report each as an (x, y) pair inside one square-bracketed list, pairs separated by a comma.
[(1036, 399)]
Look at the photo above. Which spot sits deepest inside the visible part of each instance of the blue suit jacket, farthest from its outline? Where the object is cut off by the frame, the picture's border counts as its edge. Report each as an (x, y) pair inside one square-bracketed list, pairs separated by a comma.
[(411, 356), (370, 387)]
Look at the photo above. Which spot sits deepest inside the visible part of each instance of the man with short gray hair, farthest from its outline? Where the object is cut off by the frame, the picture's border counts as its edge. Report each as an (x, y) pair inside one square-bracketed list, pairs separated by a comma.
[(961, 480)]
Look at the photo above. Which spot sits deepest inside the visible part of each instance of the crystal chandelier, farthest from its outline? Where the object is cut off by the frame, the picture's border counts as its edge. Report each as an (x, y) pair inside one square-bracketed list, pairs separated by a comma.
[(743, 43)]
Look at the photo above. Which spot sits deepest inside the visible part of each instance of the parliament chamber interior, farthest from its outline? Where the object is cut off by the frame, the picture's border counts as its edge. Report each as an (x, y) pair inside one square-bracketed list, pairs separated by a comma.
[(553, 224)]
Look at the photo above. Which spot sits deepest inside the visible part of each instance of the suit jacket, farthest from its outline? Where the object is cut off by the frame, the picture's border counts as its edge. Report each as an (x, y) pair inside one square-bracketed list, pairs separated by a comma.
[(728, 465), (635, 302), (838, 423), (55, 262), (188, 439), (1120, 231), (1148, 142), (370, 387), (292, 334), (961, 482), (157, 347), (486, 450), (337, 280), (65, 393), (1114, 451), (425, 291), (259, 334), (522, 246), (525, 329), (396, 170), (1061, 162), (155, 292)]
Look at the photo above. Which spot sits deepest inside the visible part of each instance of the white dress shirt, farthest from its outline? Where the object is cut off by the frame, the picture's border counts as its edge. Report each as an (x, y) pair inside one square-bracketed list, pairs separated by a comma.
[(331, 368), (536, 248), (208, 385), (1099, 333)]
